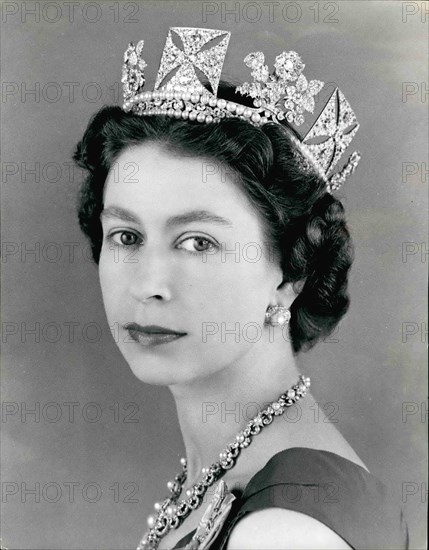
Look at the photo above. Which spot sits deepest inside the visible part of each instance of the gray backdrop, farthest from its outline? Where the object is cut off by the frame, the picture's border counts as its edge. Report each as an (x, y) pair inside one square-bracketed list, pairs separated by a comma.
[(83, 469)]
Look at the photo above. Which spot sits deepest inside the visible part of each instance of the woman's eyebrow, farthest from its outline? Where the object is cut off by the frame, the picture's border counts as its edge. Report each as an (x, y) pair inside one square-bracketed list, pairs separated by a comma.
[(197, 216), (180, 219), (116, 212)]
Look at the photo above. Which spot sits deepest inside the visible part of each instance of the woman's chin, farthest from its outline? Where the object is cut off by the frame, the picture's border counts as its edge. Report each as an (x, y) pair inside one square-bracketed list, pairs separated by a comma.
[(152, 373), (157, 371)]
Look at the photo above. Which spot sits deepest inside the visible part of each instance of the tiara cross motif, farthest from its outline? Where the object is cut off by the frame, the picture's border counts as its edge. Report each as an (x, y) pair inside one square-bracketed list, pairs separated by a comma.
[(209, 61)]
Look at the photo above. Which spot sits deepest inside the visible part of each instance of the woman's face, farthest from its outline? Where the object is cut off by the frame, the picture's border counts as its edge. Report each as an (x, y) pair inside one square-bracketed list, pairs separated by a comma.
[(183, 250)]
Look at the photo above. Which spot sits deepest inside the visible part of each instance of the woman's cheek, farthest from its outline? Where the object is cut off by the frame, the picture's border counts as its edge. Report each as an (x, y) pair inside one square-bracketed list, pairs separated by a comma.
[(112, 285)]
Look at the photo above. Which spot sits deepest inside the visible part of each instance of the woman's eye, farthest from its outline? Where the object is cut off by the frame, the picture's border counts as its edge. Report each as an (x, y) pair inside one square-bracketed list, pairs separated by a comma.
[(125, 238), (196, 245)]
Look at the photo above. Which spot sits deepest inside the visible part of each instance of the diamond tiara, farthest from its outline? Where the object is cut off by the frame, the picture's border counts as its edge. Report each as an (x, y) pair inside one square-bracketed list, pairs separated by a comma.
[(284, 94)]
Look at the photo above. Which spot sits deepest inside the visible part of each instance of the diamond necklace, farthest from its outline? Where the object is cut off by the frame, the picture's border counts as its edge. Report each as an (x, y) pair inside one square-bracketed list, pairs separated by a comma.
[(171, 514)]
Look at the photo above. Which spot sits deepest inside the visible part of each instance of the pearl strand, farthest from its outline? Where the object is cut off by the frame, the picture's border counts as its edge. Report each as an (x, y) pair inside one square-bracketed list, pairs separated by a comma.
[(157, 103), (171, 515)]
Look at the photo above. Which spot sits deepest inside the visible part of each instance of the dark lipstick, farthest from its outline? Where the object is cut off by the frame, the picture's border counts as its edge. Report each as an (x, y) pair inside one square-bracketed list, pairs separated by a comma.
[(152, 335)]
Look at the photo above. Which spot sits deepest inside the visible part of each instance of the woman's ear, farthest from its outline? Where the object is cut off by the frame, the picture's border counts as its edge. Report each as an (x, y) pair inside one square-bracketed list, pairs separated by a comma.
[(298, 286), (285, 294)]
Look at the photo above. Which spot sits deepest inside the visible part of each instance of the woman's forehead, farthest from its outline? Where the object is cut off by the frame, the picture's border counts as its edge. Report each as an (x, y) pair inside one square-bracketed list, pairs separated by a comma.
[(149, 157), (149, 178)]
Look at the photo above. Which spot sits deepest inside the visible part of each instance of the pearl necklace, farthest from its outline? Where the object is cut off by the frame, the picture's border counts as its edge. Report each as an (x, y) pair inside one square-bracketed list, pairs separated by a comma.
[(171, 514)]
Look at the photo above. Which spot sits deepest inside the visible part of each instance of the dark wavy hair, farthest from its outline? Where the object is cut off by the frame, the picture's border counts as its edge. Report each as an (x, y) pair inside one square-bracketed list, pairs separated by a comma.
[(305, 224)]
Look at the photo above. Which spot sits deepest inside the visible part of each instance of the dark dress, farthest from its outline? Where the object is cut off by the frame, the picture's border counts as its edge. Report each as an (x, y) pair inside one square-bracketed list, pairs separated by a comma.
[(325, 486)]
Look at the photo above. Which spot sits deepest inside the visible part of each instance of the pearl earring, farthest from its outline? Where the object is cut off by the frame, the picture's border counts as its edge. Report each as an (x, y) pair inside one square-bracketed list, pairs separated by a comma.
[(277, 315)]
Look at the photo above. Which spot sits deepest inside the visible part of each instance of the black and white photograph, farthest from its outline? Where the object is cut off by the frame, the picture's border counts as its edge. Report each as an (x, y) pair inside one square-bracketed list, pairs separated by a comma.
[(214, 274)]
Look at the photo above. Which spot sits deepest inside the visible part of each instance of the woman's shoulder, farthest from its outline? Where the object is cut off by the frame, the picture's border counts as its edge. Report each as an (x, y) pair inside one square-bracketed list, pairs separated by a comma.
[(318, 494), (281, 529)]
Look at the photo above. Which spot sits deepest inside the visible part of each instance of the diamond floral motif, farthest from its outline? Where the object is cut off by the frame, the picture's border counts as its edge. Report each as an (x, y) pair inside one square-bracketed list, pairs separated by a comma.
[(284, 94), (133, 70), (288, 66), (255, 61), (299, 98)]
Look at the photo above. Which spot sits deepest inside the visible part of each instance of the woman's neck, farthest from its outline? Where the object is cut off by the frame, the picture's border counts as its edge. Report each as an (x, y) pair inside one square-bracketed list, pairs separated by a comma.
[(212, 410)]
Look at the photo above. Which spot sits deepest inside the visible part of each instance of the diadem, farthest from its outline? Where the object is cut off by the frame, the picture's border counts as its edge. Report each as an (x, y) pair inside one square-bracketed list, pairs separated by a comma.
[(186, 88)]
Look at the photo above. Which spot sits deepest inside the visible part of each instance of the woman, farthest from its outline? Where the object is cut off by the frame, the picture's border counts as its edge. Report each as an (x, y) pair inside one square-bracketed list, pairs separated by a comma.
[(222, 254)]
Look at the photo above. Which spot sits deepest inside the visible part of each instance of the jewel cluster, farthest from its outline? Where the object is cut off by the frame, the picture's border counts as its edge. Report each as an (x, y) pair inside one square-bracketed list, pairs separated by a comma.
[(133, 70), (286, 93), (171, 513)]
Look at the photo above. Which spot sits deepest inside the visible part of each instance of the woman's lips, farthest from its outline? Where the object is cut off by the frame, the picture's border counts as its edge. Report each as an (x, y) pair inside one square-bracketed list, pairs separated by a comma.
[(152, 335)]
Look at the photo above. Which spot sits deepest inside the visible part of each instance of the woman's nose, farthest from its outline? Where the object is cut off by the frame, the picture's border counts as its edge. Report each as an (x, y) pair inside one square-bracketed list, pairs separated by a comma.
[(151, 276)]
